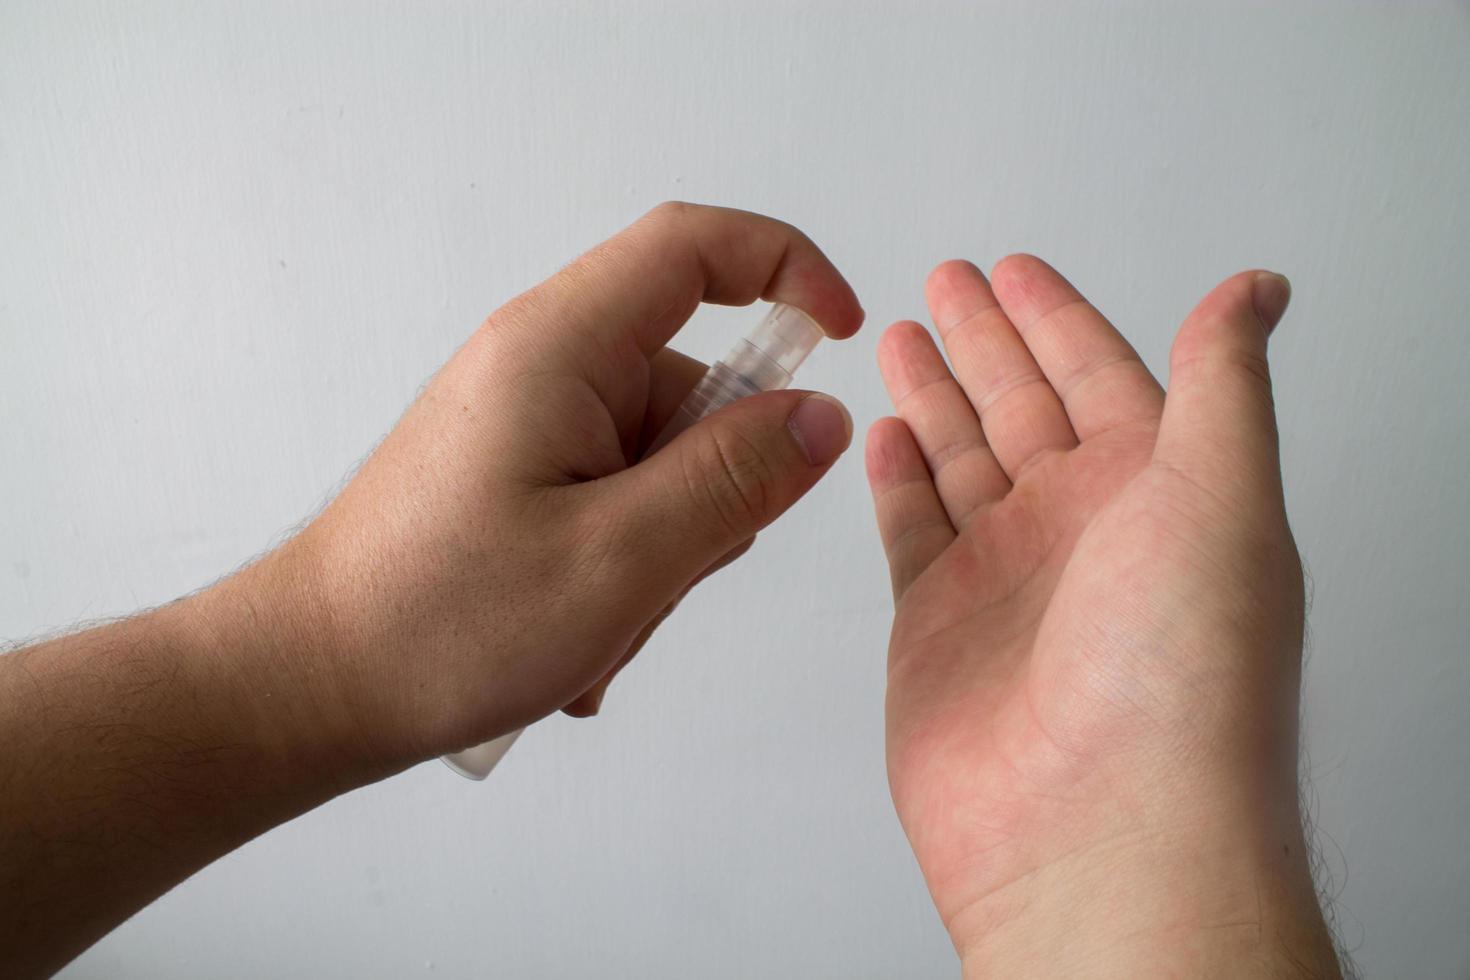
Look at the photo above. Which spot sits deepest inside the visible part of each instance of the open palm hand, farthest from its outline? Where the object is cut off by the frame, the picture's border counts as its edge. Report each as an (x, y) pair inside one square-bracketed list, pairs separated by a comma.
[(1095, 656)]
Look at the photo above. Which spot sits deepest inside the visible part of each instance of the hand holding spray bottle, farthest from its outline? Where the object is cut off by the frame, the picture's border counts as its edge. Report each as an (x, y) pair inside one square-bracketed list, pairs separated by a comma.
[(765, 360)]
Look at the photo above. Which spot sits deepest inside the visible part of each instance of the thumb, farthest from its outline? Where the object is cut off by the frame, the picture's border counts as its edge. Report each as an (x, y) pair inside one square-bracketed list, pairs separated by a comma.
[(717, 484), (1219, 421)]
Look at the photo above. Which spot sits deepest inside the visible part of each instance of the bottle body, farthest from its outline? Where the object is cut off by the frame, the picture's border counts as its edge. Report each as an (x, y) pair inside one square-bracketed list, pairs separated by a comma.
[(476, 762), (721, 385)]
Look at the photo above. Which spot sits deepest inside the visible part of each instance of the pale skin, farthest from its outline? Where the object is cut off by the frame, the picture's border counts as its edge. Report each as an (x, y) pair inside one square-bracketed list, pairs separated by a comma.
[(1094, 661)]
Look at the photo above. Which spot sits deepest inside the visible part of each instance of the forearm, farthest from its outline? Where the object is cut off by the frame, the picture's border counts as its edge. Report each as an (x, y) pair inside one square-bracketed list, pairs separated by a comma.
[(133, 754)]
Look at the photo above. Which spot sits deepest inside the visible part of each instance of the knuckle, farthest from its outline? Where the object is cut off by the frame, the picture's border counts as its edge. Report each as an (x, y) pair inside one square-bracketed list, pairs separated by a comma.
[(1250, 364), (1225, 365), (732, 478)]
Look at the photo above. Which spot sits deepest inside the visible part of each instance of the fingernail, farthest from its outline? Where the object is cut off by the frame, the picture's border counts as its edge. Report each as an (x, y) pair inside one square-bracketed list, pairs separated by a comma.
[(1269, 295), (822, 428)]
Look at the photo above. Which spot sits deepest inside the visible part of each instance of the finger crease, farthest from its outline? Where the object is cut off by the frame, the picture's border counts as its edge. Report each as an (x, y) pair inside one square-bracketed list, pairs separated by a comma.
[(952, 451), (1009, 386), (913, 530), (922, 386), (1083, 374), (966, 321), (893, 488), (1040, 321)]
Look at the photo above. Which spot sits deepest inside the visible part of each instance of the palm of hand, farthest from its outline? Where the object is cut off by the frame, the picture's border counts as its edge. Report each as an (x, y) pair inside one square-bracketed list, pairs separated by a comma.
[(967, 645), (1061, 587)]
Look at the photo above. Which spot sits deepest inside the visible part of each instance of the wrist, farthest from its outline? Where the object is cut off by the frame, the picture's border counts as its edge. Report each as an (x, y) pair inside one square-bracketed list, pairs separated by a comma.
[(1219, 888), (293, 689)]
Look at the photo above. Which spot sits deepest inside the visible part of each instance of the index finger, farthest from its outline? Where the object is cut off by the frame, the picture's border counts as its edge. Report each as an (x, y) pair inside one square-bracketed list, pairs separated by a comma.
[(647, 280)]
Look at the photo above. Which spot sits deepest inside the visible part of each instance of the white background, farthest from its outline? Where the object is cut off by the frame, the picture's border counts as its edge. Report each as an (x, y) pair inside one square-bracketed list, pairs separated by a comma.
[(235, 239)]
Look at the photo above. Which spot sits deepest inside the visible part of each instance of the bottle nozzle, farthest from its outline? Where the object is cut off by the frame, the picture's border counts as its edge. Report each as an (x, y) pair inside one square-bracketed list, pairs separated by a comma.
[(786, 335)]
